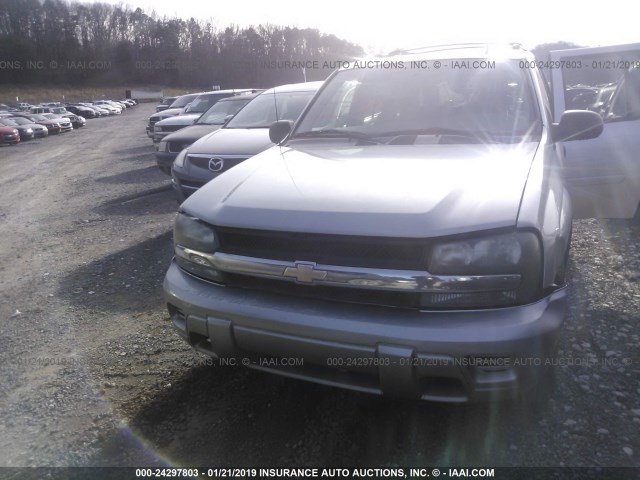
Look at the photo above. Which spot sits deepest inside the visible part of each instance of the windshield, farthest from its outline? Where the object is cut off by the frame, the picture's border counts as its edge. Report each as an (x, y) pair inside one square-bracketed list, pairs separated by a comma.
[(217, 114), (183, 101), (261, 112), (205, 102), (464, 105), (8, 122), (20, 121)]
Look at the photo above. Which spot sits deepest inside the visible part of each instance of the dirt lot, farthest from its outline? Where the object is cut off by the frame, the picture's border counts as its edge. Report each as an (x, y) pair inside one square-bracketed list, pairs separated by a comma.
[(91, 372)]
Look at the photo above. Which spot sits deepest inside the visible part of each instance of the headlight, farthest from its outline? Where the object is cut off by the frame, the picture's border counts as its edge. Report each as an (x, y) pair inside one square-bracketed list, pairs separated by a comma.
[(189, 232), (518, 253), (500, 254), (157, 129), (194, 242), (162, 146), (179, 161)]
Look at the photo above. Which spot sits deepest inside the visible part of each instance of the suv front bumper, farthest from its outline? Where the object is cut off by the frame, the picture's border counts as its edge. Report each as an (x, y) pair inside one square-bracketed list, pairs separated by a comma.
[(429, 355)]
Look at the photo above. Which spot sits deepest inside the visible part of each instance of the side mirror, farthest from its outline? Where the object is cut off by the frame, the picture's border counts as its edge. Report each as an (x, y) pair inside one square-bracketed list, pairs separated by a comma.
[(577, 125), (279, 130), (227, 118)]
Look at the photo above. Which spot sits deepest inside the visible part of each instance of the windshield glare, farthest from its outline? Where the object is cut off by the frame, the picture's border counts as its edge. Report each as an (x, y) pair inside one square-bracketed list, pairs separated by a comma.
[(181, 102), (261, 112), (204, 103), (217, 114), (490, 104)]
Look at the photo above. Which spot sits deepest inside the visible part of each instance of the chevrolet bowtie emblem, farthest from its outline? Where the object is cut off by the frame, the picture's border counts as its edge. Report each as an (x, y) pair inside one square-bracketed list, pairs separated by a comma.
[(305, 272)]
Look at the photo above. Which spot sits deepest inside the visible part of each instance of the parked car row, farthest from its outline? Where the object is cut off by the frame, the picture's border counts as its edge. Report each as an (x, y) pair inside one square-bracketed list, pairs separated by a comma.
[(22, 122), (243, 118), (241, 137), (188, 108), (170, 144)]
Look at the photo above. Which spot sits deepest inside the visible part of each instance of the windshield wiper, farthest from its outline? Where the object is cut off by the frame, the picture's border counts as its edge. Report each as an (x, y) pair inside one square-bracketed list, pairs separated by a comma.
[(247, 127), (429, 131), (337, 132), (448, 135)]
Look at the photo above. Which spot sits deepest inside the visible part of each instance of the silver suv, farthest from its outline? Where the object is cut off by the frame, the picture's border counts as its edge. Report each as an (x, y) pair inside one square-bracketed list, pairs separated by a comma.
[(407, 236)]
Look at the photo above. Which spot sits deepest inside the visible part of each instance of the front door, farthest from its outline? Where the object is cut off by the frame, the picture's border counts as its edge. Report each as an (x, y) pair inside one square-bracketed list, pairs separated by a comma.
[(602, 174)]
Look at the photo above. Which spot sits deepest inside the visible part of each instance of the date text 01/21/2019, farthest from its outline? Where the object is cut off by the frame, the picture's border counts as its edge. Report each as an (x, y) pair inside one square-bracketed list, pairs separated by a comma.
[(312, 472), (579, 64)]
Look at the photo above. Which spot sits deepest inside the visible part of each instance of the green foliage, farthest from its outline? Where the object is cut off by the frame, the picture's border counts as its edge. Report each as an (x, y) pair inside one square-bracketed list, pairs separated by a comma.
[(58, 43)]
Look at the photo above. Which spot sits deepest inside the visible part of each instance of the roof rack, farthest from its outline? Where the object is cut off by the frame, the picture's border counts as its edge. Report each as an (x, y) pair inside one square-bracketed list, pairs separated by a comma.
[(453, 46)]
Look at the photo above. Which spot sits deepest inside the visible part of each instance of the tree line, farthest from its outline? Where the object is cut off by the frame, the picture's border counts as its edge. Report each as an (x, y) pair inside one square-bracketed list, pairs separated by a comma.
[(55, 42)]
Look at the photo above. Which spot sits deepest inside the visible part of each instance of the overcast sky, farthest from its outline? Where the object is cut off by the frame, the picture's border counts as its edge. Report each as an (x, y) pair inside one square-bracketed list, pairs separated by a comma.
[(382, 27)]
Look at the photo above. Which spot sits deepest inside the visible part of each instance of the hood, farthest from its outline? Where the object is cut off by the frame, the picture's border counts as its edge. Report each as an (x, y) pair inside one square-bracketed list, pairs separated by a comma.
[(190, 134), (179, 120), (233, 141), (169, 112), (8, 130), (404, 191)]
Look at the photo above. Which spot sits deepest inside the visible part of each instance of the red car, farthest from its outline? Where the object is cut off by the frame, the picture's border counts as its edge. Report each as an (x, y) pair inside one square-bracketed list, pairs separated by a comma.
[(52, 125), (9, 136)]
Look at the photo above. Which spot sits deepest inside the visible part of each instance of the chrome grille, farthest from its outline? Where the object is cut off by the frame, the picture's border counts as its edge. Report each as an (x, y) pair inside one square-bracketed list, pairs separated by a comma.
[(202, 160), (355, 251), (177, 147), (170, 128)]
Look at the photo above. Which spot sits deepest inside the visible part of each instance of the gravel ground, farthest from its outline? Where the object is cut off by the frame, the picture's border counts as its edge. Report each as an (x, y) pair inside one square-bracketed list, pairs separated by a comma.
[(91, 373)]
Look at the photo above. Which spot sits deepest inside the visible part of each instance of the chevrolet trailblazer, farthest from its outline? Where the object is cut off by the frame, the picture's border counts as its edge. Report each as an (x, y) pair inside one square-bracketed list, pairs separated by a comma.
[(408, 235)]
